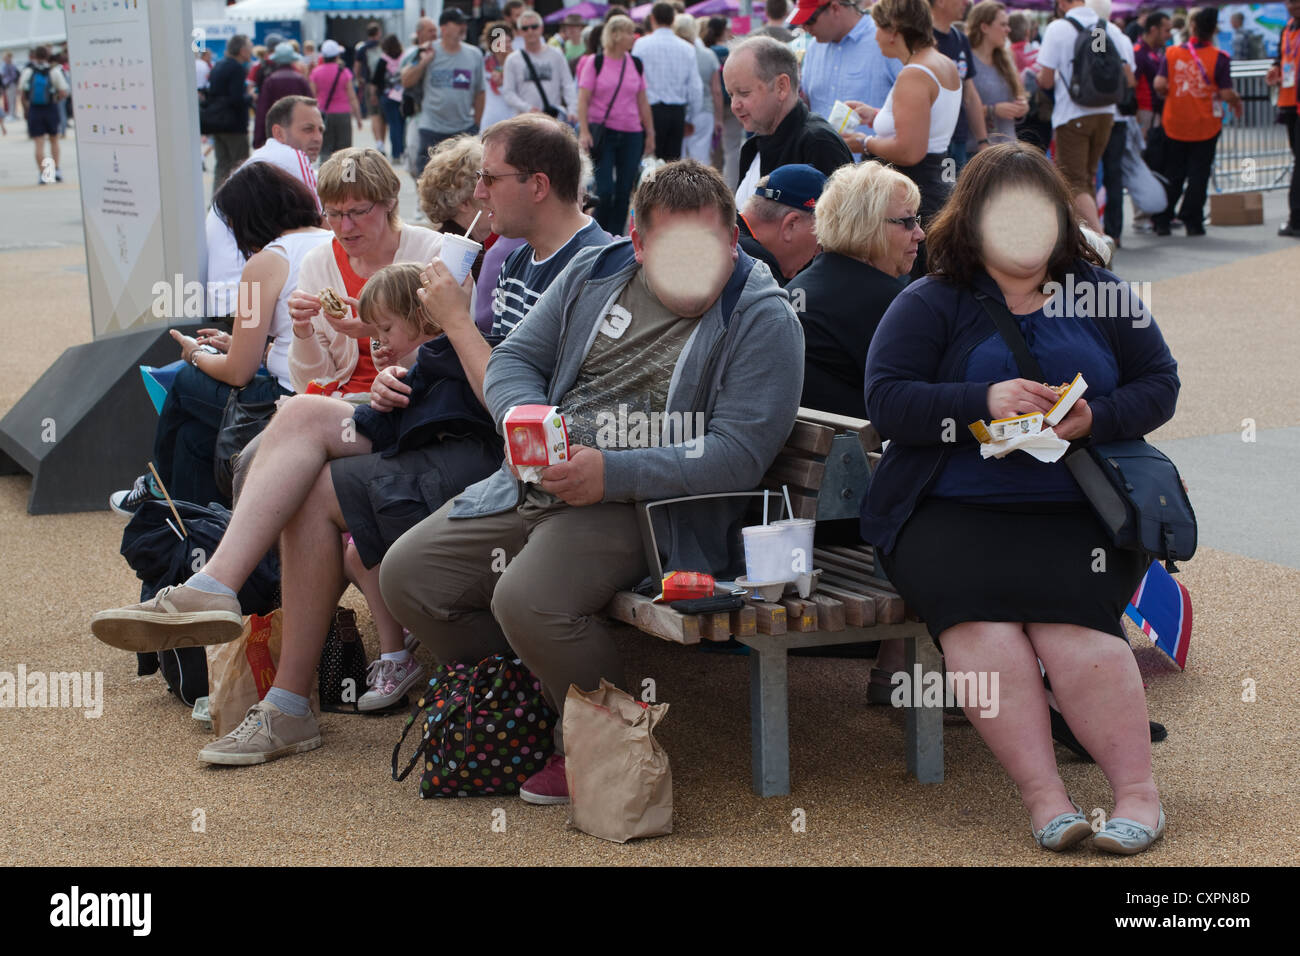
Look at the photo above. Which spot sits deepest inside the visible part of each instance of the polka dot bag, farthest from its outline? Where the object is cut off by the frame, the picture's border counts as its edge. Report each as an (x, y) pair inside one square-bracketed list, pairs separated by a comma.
[(487, 729)]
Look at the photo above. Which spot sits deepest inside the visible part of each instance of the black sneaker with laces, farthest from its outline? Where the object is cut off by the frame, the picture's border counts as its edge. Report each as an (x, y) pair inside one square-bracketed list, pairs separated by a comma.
[(126, 503)]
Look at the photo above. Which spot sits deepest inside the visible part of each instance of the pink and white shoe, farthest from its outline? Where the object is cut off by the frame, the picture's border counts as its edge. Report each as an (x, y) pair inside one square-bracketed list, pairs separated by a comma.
[(388, 682)]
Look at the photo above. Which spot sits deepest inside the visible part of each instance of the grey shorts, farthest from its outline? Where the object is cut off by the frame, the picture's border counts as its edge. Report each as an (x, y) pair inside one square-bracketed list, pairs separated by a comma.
[(383, 498)]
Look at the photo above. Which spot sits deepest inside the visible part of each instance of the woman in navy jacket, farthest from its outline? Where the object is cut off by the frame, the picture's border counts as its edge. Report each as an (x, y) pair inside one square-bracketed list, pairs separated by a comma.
[(1004, 558)]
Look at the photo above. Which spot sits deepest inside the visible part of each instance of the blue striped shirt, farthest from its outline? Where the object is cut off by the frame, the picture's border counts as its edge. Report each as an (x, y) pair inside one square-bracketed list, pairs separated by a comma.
[(853, 69)]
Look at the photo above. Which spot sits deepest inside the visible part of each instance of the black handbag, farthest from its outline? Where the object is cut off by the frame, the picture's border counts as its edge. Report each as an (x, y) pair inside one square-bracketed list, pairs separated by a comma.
[(1157, 145), (1134, 489), (241, 422), (343, 658)]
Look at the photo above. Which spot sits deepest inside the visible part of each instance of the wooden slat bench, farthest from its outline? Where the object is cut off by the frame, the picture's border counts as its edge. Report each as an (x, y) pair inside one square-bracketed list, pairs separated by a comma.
[(826, 466)]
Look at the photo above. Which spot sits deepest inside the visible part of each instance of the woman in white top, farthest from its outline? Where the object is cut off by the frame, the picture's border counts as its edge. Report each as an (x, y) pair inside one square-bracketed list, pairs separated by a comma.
[(358, 192), (276, 223), (913, 127)]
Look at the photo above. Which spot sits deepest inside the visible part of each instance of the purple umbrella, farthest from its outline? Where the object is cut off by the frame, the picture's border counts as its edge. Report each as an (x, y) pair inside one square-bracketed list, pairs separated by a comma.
[(711, 8), (640, 13), (586, 10)]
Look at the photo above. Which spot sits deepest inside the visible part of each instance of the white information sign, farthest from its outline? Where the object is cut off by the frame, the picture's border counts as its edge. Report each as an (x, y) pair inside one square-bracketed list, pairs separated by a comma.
[(117, 158)]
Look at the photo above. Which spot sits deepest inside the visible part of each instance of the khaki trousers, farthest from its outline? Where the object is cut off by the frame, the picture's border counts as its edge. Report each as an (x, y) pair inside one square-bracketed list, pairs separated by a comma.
[(533, 580)]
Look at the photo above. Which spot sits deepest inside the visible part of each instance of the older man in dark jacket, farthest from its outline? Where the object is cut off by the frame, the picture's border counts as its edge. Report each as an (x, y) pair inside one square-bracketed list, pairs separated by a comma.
[(762, 77), (225, 117)]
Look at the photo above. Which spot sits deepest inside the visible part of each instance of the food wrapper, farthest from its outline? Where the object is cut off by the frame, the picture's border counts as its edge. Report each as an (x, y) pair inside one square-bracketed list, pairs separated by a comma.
[(685, 586), (1070, 394), (1044, 446), (536, 436), (843, 118)]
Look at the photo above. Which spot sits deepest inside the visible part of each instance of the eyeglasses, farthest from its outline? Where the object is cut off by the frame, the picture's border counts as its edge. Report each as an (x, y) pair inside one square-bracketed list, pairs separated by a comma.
[(490, 179), (813, 19), (338, 215), (531, 26), (911, 222)]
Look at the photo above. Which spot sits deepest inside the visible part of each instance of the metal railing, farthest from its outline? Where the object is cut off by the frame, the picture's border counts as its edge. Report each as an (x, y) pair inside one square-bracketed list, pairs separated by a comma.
[(1253, 152)]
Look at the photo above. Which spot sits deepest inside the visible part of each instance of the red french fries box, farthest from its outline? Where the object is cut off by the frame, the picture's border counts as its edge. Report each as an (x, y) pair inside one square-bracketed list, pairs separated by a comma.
[(536, 436), (685, 586)]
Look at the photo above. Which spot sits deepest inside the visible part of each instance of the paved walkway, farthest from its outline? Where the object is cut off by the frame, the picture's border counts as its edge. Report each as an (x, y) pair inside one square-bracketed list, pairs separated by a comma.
[(124, 788)]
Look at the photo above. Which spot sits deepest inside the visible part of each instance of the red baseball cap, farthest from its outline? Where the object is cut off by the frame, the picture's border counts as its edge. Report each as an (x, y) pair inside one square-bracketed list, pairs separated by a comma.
[(806, 9)]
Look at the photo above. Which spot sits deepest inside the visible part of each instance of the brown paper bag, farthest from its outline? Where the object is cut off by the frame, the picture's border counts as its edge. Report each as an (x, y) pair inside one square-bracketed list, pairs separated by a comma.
[(620, 784), (242, 671)]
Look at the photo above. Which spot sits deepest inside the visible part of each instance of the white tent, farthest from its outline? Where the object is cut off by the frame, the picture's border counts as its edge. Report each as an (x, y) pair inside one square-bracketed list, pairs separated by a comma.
[(23, 27), (267, 10)]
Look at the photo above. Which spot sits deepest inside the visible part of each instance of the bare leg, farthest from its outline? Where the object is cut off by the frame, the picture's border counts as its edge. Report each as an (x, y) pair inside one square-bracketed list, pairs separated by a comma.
[(304, 434), (39, 144), (311, 581), (391, 638), (54, 150), (1085, 206), (1020, 735), (1099, 690)]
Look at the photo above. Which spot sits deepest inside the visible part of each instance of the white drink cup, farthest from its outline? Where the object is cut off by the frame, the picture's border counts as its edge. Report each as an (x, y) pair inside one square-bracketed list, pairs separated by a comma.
[(798, 545), (767, 555), (459, 253)]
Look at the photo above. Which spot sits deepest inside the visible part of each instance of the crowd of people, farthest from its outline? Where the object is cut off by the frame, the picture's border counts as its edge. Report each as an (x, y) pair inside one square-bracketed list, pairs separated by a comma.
[(852, 272)]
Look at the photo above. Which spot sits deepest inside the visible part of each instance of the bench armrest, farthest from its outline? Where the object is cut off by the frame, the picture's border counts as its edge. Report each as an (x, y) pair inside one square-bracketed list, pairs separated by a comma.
[(648, 541)]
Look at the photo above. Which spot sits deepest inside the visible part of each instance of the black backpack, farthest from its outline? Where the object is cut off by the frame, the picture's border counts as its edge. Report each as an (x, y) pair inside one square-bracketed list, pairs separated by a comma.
[(636, 60), (159, 559), (1097, 77)]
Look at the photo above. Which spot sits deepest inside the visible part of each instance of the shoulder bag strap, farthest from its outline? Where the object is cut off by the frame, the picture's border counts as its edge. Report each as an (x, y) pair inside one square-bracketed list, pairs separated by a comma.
[(338, 72), (613, 96), (1009, 329), (532, 71)]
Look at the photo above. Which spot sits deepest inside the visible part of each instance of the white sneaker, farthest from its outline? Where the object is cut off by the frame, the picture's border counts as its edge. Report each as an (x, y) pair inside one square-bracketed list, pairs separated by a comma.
[(266, 733), (388, 682)]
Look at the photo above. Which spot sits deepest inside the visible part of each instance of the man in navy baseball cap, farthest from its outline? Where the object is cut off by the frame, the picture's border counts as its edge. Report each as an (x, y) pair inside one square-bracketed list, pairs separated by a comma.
[(776, 223)]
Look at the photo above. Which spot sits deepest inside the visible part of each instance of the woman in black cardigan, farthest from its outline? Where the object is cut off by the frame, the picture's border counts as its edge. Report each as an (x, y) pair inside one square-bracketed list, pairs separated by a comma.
[(869, 233)]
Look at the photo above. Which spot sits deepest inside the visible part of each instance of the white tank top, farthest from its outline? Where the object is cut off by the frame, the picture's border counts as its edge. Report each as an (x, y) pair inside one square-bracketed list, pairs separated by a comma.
[(943, 114), (292, 248)]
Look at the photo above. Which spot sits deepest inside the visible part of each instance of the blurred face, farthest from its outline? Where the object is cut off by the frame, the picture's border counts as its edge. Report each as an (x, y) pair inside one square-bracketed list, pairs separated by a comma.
[(1019, 229), (359, 224), (687, 257), (759, 107), (426, 32), (393, 332), (507, 196), (572, 33), (996, 33), (306, 130), (530, 26), (902, 239)]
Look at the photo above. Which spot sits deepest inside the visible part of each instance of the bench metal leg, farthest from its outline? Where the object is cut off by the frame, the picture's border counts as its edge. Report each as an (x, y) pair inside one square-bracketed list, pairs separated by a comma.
[(769, 720), (923, 726)]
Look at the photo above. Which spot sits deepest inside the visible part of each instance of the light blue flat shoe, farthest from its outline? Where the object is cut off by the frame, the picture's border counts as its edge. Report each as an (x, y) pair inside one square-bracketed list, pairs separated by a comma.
[(1063, 831), (1126, 837)]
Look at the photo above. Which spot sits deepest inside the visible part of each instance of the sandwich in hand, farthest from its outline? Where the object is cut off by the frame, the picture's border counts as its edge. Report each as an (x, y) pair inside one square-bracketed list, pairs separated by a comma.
[(331, 304)]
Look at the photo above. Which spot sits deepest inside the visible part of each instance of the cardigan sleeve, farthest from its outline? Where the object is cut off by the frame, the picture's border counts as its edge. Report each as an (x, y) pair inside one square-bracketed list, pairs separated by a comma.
[(310, 358), (1148, 374)]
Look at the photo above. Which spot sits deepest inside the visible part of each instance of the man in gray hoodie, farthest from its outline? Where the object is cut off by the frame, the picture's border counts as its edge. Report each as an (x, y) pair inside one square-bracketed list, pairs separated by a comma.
[(677, 362)]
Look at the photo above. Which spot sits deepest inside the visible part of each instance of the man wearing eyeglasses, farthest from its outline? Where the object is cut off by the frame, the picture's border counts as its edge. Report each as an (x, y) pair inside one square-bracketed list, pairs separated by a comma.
[(844, 62), (452, 76)]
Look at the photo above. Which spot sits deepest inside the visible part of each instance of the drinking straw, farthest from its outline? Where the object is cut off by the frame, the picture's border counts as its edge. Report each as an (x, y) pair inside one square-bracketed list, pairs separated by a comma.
[(176, 514), (470, 231), (764, 506), (789, 509), (173, 527)]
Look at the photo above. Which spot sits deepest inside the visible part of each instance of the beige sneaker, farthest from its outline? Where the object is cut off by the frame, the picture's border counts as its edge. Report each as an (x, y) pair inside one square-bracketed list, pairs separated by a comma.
[(267, 733), (176, 617)]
